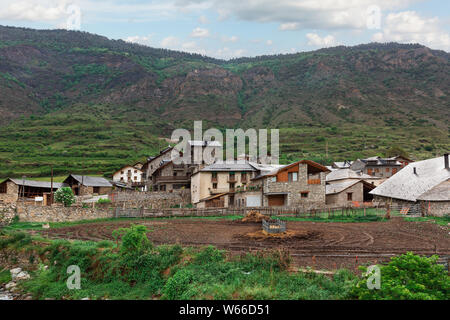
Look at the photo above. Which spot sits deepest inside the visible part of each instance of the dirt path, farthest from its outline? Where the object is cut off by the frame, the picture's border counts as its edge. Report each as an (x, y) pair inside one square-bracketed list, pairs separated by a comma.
[(320, 245)]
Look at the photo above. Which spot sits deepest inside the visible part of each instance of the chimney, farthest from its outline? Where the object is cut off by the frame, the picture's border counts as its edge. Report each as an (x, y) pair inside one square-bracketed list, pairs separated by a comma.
[(415, 171), (446, 161)]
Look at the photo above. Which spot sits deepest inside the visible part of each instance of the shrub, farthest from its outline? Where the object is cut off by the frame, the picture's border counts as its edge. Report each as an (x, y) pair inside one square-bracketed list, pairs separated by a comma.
[(134, 239), (65, 196), (408, 277), (102, 201)]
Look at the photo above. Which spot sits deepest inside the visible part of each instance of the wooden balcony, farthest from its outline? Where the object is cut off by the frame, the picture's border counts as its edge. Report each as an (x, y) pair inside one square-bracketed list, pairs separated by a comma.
[(313, 181), (219, 190), (232, 179)]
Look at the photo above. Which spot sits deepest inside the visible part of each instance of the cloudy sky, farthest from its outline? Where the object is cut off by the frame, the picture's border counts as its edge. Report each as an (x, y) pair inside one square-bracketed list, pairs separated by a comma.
[(235, 28)]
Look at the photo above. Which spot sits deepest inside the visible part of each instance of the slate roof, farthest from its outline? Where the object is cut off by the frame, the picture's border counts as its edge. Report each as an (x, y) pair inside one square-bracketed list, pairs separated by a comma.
[(339, 187), (441, 192), (224, 166), (340, 174), (200, 143), (406, 185), (37, 184), (90, 181)]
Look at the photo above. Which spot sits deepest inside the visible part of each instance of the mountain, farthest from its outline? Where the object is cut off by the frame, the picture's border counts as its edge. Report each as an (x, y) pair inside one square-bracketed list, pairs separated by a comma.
[(72, 98)]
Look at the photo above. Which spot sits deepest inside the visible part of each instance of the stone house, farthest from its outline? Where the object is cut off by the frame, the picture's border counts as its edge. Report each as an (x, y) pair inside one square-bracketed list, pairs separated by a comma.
[(154, 162), (298, 184), (215, 185), (377, 166), (88, 185), (425, 183), (11, 190), (348, 193), (170, 176)]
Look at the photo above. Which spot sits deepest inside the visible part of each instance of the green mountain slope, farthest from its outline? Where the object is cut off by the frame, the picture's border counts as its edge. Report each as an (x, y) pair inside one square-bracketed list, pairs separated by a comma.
[(82, 102)]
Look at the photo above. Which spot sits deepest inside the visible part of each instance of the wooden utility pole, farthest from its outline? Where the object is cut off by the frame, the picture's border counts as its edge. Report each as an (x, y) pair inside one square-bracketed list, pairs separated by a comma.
[(51, 186)]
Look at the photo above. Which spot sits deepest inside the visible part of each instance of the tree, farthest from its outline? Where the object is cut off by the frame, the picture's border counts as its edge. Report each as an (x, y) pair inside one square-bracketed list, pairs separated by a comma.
[(408, 277), (65, 196), (396, 151)]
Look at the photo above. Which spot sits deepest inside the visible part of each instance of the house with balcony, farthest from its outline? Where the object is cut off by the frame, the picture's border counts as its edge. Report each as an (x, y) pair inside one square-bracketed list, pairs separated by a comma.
[(131, 176), (298, 184), (170, 176), (226, 184), (216, 184)]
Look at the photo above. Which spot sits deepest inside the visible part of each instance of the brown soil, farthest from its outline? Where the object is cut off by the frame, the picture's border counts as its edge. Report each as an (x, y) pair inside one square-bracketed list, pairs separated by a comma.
[(316, 244), (255, 216)]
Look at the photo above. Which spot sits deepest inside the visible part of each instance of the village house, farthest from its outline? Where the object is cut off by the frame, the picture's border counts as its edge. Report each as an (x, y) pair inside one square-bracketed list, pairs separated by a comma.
[(154, 162), (170, 176), (129, 175), (11, 190), (425, 183), (215, 185), (349, 193), (297, 184), (88, 185), (346, 175), (378, 166), (160, 168)]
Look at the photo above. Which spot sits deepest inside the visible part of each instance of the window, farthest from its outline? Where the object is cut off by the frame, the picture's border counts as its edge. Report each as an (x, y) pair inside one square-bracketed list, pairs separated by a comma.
[(292, 176), (349, 196), (96, 189), (121, 178), (387, 169), (394, 170), (304, 194), (135, 171), (135, 178), (274, 179), (214, 185), (3, 188), (376, 170), (121, 172)]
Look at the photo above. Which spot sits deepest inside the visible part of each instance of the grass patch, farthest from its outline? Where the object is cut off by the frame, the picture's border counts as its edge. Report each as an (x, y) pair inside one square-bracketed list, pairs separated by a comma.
[(5, 276), (443, 221)]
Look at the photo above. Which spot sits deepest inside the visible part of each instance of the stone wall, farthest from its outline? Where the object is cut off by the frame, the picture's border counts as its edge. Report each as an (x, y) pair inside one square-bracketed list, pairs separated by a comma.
[(151, 199), (12, 193), (436, 208), (340, 198), (316, 192), (7, 213), (55, 213)]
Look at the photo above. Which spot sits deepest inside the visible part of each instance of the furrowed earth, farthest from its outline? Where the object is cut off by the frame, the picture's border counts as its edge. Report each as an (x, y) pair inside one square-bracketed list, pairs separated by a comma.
[(320, 245)]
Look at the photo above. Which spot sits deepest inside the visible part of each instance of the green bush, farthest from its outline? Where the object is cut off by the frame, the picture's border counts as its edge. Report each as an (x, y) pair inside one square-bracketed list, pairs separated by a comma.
[(65, 196), (101, 201), (408, 277)]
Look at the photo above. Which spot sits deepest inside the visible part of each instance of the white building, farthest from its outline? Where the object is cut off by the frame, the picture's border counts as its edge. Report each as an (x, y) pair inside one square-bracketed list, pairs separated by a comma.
[(130, 175)]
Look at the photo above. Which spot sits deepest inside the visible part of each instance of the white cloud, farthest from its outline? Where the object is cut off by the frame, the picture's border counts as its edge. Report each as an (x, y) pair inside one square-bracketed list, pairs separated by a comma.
[(302, 14), (170, 42), (289, 26), (203, 20), (200, 33), (229, 39), (316, 40), (409, 27), (139, 39), (227, 53)]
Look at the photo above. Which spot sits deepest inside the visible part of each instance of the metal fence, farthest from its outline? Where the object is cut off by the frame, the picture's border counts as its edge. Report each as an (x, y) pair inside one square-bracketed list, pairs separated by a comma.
[(406, 209), (276, 226)]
